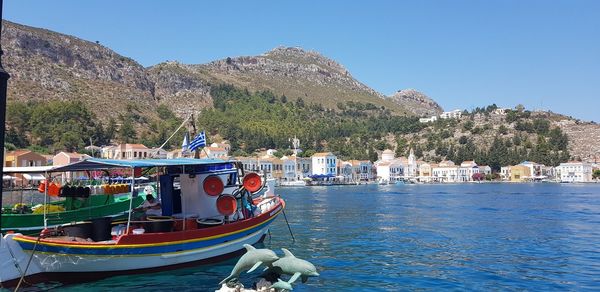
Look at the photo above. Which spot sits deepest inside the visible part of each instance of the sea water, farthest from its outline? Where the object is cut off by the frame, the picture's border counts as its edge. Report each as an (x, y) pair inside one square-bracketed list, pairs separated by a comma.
[(483, 237)]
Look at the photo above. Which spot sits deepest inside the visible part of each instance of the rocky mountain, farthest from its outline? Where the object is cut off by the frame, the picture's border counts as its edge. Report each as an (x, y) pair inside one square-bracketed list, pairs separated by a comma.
[(45, 65), (293, 72), (417, 102)]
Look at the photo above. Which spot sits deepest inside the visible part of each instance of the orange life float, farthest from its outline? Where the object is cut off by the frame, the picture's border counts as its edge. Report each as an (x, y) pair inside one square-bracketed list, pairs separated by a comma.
[(226, 205), (252, 182), (42, 187), (54, 189), (213, 185)]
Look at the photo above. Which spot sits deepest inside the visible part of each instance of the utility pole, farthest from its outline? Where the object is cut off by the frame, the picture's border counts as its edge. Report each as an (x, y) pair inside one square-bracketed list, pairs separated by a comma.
[(3, 86)]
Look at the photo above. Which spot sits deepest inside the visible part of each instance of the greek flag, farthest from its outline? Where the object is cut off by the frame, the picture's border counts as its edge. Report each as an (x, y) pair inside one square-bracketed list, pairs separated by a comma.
[(199, 141)]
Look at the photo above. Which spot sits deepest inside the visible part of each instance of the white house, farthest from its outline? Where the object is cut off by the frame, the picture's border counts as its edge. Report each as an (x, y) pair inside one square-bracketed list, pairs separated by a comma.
[(290, 172), (362, 170), (575, 171), (249, 163), (214, 153), (445, 171), (346, 170), (466, 171), (427, 120), (455, 114), (324, 163), (304, 166)]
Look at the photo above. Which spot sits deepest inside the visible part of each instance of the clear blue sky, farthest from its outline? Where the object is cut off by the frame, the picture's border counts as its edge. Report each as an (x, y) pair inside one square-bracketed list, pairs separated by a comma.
[(543, 54)]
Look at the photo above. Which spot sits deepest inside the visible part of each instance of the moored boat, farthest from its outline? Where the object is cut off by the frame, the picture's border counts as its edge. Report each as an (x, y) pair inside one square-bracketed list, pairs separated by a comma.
[(84, 203), (207, 210)]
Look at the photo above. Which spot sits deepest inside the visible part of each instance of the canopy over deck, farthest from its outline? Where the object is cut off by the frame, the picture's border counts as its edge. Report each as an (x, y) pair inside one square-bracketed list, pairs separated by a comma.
[(96, 163)]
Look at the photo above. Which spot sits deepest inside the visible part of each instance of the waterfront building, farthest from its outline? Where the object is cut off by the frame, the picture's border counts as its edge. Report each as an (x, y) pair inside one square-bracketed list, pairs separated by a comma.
[(411, 171), (290, 172), (304, 166), (362, 170), (505, 172), (345, 171), (391, 169), (575, 171), (324, 163), (126, 151), (535, 169), (214, 153), (485, 169), (248, 163), (425, 171), (383, 171), (265, 165), (466, 171), (23, 157), (225, 145), (445, 173), (520, 173)]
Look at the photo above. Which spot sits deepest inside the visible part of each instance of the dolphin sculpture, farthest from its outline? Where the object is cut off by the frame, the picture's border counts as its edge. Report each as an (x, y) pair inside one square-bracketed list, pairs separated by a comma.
[(282, 285), (291, 265), (252, 259)]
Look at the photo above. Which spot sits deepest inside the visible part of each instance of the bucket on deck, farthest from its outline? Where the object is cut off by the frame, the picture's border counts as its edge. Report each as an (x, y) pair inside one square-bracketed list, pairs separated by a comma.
[(159, 224), (209, 222), (101, 229)]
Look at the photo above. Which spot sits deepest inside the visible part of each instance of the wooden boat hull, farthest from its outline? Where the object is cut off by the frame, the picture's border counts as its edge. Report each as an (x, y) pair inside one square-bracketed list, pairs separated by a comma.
[(144, 251)]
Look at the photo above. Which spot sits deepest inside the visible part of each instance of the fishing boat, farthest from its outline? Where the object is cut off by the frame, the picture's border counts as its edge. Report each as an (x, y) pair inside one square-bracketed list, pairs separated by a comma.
[(25, 219), (210, 209)]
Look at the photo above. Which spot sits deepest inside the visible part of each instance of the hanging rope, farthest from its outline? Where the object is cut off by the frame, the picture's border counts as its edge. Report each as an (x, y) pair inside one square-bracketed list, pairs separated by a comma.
[(172, 135)]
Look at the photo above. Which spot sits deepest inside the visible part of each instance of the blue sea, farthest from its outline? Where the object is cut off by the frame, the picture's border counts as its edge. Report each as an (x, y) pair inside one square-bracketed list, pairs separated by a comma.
[(481, 237)]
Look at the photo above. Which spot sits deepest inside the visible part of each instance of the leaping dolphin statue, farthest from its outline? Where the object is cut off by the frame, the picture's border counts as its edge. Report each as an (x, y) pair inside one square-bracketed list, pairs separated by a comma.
[(282, 285), (291, 265), (251, 260)]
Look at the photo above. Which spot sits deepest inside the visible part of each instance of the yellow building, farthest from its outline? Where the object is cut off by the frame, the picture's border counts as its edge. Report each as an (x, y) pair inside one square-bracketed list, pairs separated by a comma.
[(519, 173)]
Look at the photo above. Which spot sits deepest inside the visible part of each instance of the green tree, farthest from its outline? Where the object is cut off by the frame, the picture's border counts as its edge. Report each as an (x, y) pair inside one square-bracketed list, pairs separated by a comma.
[(126, 131), (596, 174)]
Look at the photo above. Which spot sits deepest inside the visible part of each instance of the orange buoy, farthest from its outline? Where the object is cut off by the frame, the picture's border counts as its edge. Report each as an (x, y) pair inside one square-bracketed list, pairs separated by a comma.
[(213, 185), (54, 189), (226, 205), (252, 182), (42, 187)]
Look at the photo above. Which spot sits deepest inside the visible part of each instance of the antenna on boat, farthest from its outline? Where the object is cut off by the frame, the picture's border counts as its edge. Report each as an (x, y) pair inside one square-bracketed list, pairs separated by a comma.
[(3, 85)]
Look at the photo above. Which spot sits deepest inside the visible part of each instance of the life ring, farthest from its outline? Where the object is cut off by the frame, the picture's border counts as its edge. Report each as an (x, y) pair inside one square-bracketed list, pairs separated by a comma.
[(226, 205), (213, 185), (252, 182)]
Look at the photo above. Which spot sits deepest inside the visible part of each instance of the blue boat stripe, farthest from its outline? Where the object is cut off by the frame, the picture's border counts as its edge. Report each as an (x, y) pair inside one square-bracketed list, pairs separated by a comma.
[(142, 250)]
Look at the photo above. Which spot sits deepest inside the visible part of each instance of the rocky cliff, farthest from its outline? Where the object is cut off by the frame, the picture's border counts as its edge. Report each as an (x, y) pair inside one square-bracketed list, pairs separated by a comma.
[(293, 72), (417, 102), (45, 65)]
